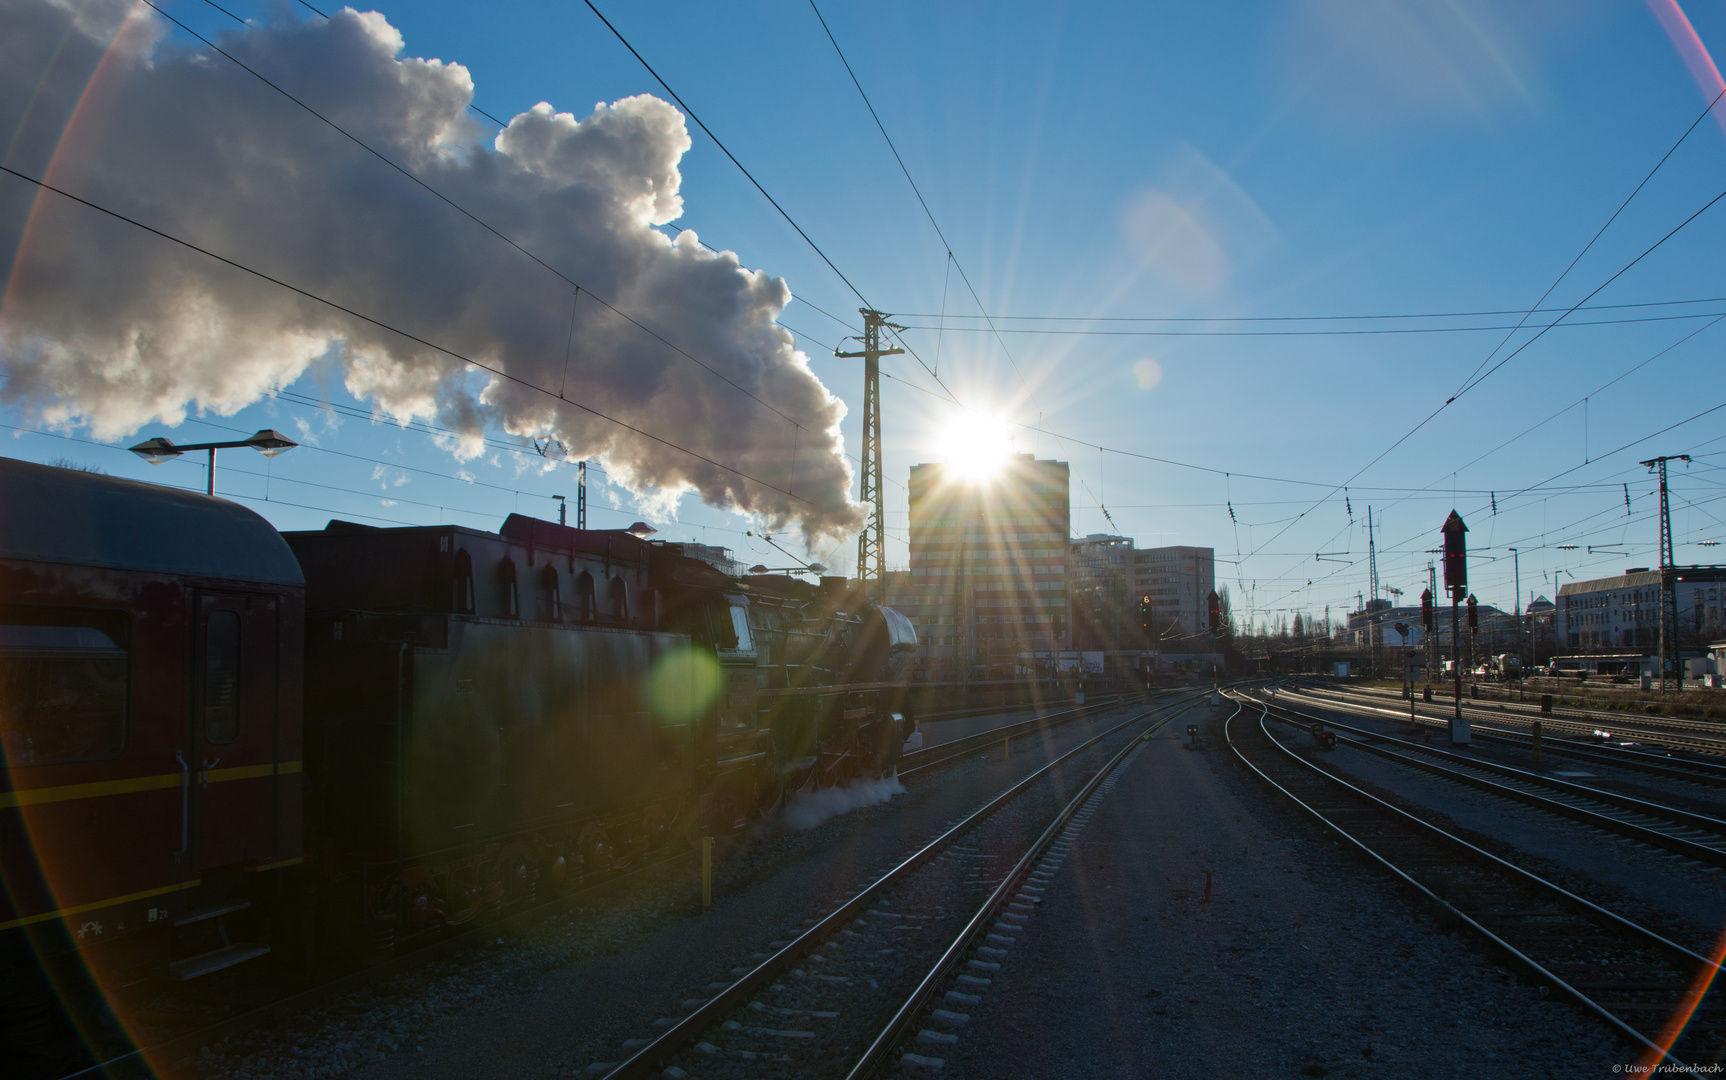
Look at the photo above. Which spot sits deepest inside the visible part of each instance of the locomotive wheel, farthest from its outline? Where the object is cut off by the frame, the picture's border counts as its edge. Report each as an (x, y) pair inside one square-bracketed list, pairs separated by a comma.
[(424, 909), (464, 896), (592, 852)]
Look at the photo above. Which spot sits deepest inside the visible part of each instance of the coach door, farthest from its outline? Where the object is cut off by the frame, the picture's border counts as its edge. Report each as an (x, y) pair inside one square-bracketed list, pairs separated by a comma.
[(234, 713)]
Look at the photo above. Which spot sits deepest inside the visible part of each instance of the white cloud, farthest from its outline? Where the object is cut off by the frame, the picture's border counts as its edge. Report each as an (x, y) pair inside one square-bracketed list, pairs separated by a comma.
[(107, 327)]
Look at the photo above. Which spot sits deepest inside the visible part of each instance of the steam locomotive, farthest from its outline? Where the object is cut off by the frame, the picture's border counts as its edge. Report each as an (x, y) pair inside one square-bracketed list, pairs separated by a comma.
[(222, 741)]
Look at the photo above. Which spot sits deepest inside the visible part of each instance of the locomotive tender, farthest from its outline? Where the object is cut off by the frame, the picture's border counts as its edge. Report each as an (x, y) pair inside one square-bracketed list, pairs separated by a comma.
[(221, 740)]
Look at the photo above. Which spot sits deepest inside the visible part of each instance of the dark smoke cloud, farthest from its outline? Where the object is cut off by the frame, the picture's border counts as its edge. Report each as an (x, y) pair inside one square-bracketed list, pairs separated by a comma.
[(108, 328)]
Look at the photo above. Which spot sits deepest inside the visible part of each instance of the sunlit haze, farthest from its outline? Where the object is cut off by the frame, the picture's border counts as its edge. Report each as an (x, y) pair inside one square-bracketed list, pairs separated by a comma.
[(974, 445)]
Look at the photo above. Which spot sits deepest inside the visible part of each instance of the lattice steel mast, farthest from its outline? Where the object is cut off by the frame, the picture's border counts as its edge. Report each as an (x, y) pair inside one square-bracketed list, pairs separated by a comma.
[(1670, 651), (872, 541), (1374, 632)]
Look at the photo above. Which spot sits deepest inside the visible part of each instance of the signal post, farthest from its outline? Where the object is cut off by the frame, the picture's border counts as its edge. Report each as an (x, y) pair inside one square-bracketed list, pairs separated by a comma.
[(1456, 583)]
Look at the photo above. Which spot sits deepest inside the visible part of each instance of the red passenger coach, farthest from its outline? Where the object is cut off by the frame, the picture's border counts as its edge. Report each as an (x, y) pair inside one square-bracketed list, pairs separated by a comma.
[(150, 673)]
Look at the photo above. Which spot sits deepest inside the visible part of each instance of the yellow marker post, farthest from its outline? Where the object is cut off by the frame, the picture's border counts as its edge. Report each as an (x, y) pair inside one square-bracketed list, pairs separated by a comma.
[(707, 871), (1537, 742)]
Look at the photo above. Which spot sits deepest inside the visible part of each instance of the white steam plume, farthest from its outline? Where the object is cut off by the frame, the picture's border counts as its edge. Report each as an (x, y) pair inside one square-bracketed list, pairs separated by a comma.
[(105, 326), (809, 809)]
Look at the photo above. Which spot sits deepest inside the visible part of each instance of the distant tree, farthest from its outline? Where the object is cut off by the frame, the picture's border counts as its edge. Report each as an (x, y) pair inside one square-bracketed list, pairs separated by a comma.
[(1226, 629), (1299, 627)]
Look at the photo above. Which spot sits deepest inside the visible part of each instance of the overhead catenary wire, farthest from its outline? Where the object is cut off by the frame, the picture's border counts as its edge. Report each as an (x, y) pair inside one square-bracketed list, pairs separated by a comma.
[(1391, 331), (1428, 315), (957, 265), (1477, 376), (1476, 381), (618, 34), (1585, 249)]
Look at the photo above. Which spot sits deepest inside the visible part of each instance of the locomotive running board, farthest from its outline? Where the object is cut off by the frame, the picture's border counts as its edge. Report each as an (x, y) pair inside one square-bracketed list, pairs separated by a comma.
[(216, 960)]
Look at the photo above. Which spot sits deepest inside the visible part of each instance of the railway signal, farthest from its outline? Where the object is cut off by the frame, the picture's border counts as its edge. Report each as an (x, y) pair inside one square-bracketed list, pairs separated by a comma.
[(1456, 582), (1216, 613)]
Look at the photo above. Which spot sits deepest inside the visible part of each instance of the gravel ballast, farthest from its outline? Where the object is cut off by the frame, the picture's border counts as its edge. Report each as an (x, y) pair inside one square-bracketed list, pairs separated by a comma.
[(1304, 961)]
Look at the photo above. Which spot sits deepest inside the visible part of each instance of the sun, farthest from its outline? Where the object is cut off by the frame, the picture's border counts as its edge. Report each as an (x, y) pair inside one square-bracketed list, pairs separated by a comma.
[(975, 445)]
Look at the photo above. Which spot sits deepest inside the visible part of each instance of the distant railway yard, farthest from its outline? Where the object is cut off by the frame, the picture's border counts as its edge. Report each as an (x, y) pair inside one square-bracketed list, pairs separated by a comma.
[(1291, 881)]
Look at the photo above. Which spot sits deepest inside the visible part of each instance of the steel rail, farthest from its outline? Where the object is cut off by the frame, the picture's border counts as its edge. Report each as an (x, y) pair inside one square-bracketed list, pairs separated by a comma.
[(1536, 967), (675, 1038), (875, 1055), (177, 1046), (1664, 727), (1623, 757), (966, 745), (1681, 845)]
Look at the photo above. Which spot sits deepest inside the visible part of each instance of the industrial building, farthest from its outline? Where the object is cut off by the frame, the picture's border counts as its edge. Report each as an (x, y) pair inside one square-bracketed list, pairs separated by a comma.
[(1624, 611)]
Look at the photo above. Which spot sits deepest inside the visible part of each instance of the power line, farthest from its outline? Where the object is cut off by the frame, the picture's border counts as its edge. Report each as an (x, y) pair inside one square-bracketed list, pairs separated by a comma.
[(724, 150), (1511, 356), (926, 211), (1585, 249), (1477, 377), (1394, 330), (1315, 318), (498, 372)]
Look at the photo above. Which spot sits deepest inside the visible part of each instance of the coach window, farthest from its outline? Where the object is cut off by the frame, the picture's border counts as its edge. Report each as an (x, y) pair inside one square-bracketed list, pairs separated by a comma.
[(461, 583), (550, 602), (619, 600), (507, 588), (222, 676), (63, 676), (584, 598)]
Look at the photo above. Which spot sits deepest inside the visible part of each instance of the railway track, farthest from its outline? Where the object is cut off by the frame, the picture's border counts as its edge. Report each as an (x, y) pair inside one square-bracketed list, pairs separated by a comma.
[(799, 1010), (930, 757), (1696, 836), (1487, 724), (1700, 736), (172, 1046), (1652, 991)]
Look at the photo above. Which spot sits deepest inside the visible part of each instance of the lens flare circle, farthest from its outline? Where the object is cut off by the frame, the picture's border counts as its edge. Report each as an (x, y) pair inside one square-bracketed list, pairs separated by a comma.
[(682, 684)]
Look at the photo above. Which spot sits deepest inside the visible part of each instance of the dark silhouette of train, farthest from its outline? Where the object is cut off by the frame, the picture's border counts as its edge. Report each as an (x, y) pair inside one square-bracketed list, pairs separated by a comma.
[(222, 741)]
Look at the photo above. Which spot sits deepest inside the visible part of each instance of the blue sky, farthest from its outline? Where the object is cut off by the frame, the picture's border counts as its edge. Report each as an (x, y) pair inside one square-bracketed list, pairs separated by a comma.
[(1130, 162)]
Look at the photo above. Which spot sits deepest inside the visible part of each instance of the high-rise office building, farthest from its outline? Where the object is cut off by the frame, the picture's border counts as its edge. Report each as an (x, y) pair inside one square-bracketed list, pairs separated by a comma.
[(989, 568)]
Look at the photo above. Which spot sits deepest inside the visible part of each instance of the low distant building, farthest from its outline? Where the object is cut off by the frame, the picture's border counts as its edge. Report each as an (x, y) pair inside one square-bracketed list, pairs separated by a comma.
[(1498, 630)]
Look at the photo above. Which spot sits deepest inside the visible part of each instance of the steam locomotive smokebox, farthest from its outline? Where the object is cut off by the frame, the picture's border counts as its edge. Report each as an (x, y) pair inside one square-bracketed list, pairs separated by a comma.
[(834, 588)]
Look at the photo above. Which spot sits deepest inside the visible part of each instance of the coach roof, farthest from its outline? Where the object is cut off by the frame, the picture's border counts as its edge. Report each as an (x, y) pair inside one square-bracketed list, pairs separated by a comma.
[(50, 514)]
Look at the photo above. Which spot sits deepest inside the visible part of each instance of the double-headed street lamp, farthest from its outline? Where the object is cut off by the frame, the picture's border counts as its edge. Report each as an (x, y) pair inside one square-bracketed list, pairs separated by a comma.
[(268, 442), (812, 568)]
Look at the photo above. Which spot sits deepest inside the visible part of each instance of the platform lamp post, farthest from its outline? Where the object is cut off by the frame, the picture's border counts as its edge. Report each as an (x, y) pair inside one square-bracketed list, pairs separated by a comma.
[(267, 442), (1456, 583)]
